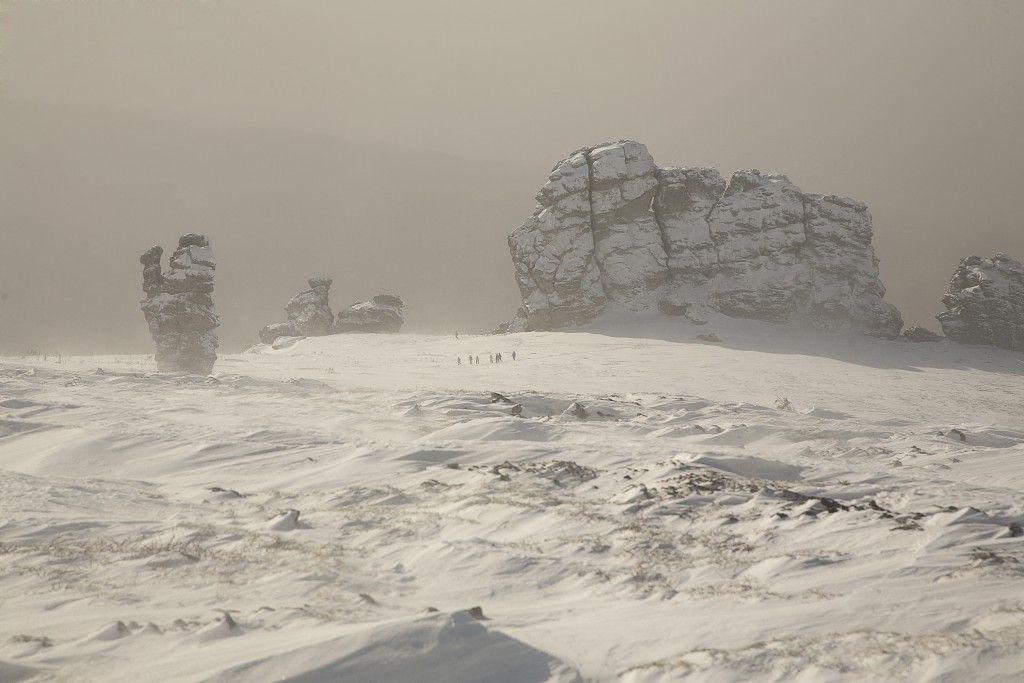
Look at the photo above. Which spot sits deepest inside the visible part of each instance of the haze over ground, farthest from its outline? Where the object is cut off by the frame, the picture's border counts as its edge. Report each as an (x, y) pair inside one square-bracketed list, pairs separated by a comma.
[(393, 146)]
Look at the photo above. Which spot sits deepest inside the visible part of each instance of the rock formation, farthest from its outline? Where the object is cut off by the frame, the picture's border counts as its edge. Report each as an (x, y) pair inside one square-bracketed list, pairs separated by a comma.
[(179, 306), (612, 228), (916, 333), (309, 313), (985, 302), (383, 313)]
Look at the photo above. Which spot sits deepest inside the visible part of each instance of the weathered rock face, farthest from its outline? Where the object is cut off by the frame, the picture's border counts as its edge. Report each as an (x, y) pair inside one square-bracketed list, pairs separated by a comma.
[(553, 252), (309, 313), (383, 313), (985, 302), (613, 228), (179, 306)]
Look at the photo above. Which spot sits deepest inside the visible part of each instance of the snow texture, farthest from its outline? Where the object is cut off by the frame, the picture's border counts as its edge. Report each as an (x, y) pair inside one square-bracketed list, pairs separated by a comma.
[(620, 503), (985, 302), (178, 306), (613, 228)]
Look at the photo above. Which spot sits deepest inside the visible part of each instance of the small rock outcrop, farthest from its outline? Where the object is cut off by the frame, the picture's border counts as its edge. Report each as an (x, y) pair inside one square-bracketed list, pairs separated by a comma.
[(309, 313), (382, 313), (916, 333), (985, 302), (179, 306), (612, 228)]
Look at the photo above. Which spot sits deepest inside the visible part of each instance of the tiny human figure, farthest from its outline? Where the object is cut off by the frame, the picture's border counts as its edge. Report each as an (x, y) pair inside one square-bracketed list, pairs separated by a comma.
[(497, 358), (458, 359), (478, 360), (492, 357), (513, 355)]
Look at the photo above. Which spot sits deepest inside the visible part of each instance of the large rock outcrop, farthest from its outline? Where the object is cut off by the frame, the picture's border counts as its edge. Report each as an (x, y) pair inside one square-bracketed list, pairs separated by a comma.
[(612, 228), (309, 313), (381, 314), (985, 302), (179, 306)]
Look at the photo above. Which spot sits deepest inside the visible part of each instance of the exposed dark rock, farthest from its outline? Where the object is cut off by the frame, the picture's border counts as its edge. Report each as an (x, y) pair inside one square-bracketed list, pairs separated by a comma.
[(179, 306), (309, 313), (577, 409), (985, 303), (916, 333), (957, 434), (383, 313)]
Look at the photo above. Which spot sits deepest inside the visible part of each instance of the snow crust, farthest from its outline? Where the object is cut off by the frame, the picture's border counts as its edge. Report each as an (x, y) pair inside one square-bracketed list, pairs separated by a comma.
[(624, 502)]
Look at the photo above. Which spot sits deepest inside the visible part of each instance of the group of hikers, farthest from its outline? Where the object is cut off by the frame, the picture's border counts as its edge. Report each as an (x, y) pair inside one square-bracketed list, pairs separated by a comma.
[(475, 360)]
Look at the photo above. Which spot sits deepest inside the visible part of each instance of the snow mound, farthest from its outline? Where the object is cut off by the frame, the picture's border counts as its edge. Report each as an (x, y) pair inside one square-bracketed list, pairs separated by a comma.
[(436, 647)]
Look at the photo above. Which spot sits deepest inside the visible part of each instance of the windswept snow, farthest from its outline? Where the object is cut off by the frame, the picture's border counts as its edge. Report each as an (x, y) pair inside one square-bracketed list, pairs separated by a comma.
[(621, 502)]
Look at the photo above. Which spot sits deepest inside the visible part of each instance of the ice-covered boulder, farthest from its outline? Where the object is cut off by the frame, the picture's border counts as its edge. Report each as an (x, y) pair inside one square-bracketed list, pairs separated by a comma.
[(382, 313), (309, 313), (985, 302), (179, 305), (612, 228)]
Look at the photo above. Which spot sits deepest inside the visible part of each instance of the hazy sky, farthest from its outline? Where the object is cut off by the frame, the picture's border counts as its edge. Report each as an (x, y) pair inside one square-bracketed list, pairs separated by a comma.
[(393, 145)]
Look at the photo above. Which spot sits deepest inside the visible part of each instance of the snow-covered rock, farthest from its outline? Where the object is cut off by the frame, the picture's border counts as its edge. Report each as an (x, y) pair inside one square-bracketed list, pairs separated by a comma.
[(916, 334), (309, 313), (612, 227), (553, 251), (179, 305), (382, 313), (985, 302)]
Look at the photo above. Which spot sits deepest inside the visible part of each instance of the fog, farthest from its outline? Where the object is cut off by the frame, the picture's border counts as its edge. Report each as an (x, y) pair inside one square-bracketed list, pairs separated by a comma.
[(394, 145)]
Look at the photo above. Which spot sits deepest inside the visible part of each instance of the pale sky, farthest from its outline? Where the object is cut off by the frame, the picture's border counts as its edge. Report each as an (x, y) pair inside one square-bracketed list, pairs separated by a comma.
[(394, 145)]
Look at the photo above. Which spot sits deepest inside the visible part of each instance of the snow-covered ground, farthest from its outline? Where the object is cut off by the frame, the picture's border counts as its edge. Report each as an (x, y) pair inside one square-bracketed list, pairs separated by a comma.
[(778, 506)]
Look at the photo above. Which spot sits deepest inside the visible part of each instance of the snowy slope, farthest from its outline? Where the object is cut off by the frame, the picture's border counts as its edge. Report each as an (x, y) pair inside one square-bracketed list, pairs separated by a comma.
[(778, 506)]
